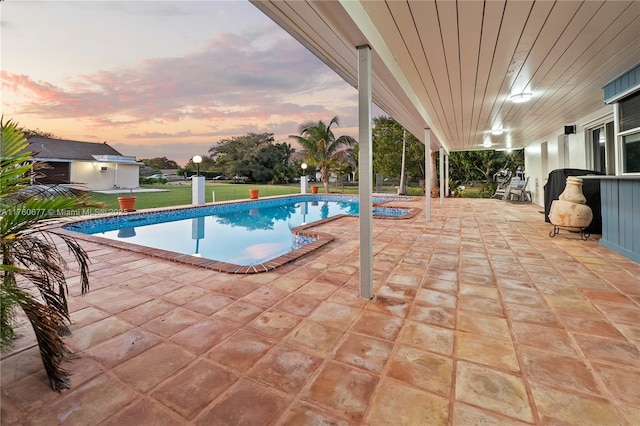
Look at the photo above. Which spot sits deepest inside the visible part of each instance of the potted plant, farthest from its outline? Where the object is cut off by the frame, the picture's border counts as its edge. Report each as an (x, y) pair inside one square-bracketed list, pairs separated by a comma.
[(127, 203)]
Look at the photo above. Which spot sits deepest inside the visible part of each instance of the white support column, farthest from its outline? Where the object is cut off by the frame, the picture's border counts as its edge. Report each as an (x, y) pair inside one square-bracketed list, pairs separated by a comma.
[(427, 172), (197, 190), (446, 174), (365, 168), (441, 176)]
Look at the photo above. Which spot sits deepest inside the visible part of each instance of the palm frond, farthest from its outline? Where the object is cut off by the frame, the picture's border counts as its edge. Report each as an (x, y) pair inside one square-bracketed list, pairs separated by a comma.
[(44, 321)]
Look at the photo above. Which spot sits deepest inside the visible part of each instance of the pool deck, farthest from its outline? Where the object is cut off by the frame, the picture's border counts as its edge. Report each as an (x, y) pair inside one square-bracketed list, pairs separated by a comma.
[(480, 318)]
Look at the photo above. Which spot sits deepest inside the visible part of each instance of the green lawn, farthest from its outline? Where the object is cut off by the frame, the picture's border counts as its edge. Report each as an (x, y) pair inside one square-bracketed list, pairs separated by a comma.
[(178, 194)]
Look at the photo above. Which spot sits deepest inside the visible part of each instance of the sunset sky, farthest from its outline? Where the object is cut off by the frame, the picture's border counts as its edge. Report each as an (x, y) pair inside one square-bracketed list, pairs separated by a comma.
[(158, 79)]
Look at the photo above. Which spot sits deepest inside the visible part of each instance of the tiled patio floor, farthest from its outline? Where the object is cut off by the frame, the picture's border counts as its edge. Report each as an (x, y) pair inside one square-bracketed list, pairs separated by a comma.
[(480, 318)]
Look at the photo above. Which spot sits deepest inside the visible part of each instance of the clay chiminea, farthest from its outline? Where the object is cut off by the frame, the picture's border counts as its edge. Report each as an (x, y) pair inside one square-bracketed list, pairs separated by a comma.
[(570, 209)]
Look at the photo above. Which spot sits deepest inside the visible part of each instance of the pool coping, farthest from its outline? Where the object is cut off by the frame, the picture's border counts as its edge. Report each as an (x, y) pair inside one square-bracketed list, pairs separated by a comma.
[(321, 238)]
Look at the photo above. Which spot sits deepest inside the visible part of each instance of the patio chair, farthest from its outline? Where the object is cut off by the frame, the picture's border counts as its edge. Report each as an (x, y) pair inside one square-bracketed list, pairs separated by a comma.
[(503, 190), (520, 192)]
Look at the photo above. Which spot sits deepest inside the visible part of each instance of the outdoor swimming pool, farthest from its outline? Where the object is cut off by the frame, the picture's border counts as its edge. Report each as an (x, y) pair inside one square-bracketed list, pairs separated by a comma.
[(245, 233)]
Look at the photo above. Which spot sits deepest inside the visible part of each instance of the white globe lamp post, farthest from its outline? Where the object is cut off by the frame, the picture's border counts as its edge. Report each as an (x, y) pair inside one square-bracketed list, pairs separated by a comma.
[(304, 180), (197, 183)]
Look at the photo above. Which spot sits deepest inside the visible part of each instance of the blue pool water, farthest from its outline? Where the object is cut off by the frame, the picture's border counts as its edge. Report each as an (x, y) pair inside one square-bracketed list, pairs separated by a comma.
[(240, 233)]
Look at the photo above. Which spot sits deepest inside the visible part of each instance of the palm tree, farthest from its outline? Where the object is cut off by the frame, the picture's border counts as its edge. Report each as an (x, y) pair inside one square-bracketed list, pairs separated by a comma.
[(322, 148), (32, 272)]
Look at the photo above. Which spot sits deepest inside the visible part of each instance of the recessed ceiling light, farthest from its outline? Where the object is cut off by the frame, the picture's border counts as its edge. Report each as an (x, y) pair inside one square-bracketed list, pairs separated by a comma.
[(519, 98)]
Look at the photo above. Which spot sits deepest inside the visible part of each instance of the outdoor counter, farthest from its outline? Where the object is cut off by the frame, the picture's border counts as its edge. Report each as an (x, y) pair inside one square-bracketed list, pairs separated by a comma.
[(620, 208)]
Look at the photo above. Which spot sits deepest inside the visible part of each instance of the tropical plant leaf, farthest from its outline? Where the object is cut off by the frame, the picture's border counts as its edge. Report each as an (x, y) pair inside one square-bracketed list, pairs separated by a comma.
[(31, 261)]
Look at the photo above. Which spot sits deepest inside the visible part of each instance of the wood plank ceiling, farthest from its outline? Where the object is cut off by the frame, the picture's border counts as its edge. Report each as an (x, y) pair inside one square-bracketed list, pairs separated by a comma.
[(452, 66)]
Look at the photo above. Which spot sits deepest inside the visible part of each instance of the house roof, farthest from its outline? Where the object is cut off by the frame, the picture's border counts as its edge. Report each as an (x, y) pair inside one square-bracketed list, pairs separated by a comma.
[(45, 149)]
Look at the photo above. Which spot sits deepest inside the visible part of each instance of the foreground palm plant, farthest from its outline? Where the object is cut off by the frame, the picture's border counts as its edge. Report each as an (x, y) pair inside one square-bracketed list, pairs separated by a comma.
[(322, 148), (32, 272)]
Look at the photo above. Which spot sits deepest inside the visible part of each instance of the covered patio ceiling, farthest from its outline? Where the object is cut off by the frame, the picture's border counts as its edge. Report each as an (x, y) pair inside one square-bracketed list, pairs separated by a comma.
[(453, 66)]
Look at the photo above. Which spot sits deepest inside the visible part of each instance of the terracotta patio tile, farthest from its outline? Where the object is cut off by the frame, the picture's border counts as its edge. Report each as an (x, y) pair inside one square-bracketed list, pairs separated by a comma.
[(558, 371), (620, 314), (493, 390), (485, 350), (298, 304), (631, 332), (615, 351), (364, 352), (450, 287), (527, 298), (122, 303), (184, 295), (551, 339), (478, 290), (104, 394), (316, 337), (487, 325), (143, 280), (570, 304), (193, 388), (528, 314), (31, 392), (396, 291), (423, 369), (435, 298), (123, 347), (378, 325), (153, 366), (236, 288), (209, 303), (241, 350), (335, 315), (160, 288), (632, 413), (86, 316), (623, 383), (274, 323), (348, 297), (144, 413), (247, 403), (305, 414), (465, 415), (347, 390), (265, 296), (442, 317), (286, 368), (557, 407), (288, 284), (173, 322), (481, 305), (202, 336), (428, 337), (239, 312), (396, 403), (596, 325), (318, 290), (146, 311), (97, 332)]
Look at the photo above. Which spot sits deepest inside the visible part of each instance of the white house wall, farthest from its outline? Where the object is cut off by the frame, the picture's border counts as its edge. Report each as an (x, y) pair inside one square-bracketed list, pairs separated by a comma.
[(92, 177), (577, 157)]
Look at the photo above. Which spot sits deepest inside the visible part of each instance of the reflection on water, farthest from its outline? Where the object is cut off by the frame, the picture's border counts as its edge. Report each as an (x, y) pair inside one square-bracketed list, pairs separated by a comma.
[(242, 237)]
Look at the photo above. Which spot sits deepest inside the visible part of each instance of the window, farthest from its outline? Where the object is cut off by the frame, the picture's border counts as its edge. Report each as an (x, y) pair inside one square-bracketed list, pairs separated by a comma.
[(629, 116), (601, 149)]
